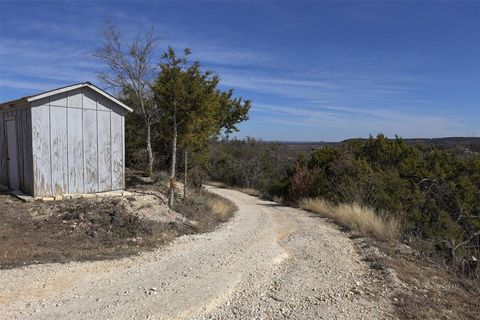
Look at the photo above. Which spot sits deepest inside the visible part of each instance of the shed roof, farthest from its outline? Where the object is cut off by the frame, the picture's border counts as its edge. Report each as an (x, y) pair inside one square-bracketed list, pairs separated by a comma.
[(65, 89)]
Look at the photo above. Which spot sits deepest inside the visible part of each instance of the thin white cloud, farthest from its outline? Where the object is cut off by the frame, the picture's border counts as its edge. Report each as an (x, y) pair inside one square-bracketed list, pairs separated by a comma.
[(361, 122), (31, 85), (327, 89), (293, 111), (340, 91)]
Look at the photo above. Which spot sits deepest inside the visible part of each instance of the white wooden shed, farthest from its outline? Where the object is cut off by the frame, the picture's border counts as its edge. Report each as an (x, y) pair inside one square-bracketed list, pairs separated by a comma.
[(64, 141)]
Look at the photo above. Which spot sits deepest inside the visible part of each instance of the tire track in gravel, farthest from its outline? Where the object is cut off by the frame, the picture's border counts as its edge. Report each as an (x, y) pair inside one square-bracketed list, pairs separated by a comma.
[(267, 262)]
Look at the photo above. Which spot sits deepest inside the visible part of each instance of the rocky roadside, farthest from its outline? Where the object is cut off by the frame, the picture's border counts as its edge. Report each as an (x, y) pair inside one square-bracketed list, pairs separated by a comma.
[(268, 262)]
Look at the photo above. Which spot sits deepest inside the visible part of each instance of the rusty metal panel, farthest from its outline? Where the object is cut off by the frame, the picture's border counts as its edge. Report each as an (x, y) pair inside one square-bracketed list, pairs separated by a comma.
[(58, 145), (75, 150)]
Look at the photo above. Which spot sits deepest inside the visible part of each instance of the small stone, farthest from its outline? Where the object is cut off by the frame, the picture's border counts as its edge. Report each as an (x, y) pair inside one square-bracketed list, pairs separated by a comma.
[(48, 199), (88, 195), (112, 194), (357, 291), (115, 194), (21, 196), (58, 197)]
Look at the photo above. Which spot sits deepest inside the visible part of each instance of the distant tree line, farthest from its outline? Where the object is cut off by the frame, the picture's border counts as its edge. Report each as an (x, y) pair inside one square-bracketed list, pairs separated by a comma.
[(250, 163), (435, 193)]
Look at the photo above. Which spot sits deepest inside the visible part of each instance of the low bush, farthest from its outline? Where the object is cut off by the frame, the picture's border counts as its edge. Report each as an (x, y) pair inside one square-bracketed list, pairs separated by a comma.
[(221, 207), (205, 210), (433, 191), (250, 191)]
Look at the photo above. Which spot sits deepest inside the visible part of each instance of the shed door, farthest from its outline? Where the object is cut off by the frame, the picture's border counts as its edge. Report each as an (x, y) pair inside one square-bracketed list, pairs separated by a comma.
[(12, 155)]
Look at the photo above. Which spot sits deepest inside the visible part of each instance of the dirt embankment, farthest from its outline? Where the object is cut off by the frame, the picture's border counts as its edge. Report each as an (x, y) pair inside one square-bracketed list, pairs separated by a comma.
[(100, 228), (423, 288)]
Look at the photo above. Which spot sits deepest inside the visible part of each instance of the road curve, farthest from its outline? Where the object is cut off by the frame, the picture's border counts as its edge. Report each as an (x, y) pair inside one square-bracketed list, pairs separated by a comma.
[(268, 262)]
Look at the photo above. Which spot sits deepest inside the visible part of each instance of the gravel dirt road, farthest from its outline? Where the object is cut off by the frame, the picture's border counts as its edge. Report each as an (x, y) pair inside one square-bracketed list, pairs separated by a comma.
[(268, 262)]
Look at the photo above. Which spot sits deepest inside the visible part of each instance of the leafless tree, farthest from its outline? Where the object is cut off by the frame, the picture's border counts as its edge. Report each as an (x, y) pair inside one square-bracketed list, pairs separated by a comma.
[(131, 71)]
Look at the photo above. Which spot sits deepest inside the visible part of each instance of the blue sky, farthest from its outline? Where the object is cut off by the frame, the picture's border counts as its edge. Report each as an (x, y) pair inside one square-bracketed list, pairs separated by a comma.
[(313, 70)]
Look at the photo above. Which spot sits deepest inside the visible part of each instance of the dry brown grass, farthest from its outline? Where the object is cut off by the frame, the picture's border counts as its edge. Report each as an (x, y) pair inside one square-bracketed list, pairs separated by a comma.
[(422, 288), (355, 217), (250, 191), (278, 199), (216, 184), (206, 209), (221, 207)]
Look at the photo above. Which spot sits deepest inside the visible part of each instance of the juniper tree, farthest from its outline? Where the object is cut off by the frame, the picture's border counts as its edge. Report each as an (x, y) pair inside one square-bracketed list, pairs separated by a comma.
[(193, 108)]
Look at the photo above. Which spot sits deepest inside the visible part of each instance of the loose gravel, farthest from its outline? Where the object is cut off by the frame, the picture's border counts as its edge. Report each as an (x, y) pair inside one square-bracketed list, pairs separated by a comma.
[(268, 262)]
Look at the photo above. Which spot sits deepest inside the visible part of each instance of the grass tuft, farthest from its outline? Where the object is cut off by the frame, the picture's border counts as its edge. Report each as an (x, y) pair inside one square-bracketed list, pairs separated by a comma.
[(355, 217), (250, 191), (221, 207), (206, 209)]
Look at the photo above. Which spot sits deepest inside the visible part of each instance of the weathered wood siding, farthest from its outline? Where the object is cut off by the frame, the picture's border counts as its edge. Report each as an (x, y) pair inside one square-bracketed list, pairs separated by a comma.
[(78, 143), (117, 151), (75, 148), (22, 115), (3, 152), (42, 161), (90, 146)]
